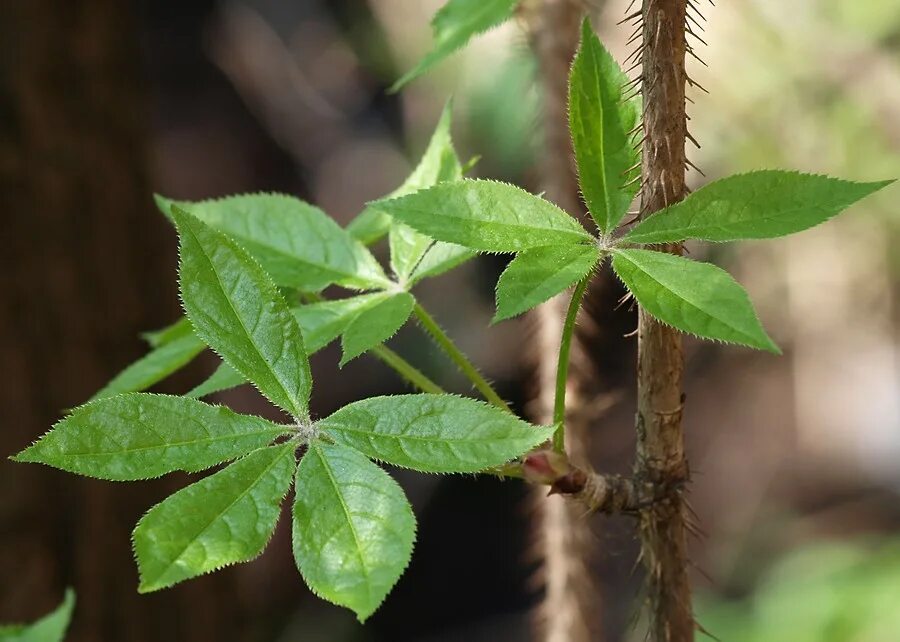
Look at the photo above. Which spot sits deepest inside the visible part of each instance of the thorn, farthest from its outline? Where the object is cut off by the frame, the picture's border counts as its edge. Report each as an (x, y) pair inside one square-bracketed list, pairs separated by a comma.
[(635, 36), (639, 62), (694, 20), (630, 16), (690, 164), (633, 81), (691, 138), (634, 129), (634, 54), (690, 50), (690, 32), (631, 169), (694, 83)]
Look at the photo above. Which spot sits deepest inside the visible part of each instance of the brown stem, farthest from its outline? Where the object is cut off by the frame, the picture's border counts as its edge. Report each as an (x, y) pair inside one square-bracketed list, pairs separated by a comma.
[(660, 450)]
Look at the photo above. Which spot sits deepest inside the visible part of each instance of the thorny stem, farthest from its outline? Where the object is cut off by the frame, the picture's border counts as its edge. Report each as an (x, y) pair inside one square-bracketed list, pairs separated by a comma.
[(562, 367), (406, 370), (456, 355), (661, 458)]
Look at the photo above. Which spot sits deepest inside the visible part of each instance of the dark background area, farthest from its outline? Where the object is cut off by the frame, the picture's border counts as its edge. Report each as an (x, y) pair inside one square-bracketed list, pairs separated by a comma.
[(103, 102)]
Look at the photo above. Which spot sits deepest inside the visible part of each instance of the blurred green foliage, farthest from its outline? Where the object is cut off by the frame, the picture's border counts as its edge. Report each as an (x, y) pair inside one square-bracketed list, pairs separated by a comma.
[(824, 593)]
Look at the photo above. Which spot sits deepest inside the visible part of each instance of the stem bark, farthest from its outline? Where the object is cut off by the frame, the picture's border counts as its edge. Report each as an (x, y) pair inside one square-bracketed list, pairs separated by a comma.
[(660, 437)]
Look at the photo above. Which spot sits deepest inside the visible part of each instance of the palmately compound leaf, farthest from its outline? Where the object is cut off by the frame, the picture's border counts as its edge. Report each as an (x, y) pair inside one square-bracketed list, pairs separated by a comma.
[(139, 436), (758, 205), (154, 366), (453, 26), (697, 298), (222, 519), (238, 311), (296, 243), (439, 163), (600, 122), (50, 628), (433, 433), (540, 273), (376, 324), (353, 528), (320, 323), (486, 215)]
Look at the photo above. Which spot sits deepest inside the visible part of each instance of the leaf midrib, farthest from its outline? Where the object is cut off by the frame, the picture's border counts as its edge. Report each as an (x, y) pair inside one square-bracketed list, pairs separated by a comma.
[(275, 432), (349, 516), (247, 333), (692, 226), (752, 340)]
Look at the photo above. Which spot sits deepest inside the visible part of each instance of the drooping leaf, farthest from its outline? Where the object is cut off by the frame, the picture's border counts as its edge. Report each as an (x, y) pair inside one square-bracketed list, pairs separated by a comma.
[(353, 528), (600, 122), (757, 205), (540, 273), (697, 298), (222, 519), (296, 243), (50, 628), (320, 323), (234, 306), (454, 25), (374, 325), (486, 215), (139, 436), (154, 366), (433, 433)]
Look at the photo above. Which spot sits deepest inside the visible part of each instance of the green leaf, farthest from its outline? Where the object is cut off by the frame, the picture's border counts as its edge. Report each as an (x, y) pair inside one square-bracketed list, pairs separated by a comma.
[(238, 311), (177, 330), (538, 274), (698, 298), (370, 225), (223, 519), (454, 25), (353, 528), (320, 323), (486, 215), (433, 433), (154, 366), (139, 436), (439, 163), (223, 378), (600, 122), (440, 257), (759, 205), (376, 324), (50, 628), (297, 244)]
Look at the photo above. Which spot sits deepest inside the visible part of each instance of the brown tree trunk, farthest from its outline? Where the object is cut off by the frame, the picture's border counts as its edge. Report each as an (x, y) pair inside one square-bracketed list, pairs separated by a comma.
[(82, 275), (570, 608), (660, 448)]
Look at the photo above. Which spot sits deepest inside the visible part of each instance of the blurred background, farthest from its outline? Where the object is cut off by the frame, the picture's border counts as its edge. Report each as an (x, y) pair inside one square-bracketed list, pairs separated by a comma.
[(795, 459)]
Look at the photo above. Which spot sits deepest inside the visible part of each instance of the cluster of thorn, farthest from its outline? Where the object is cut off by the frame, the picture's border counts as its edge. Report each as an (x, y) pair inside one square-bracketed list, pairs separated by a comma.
[(693, 23)]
